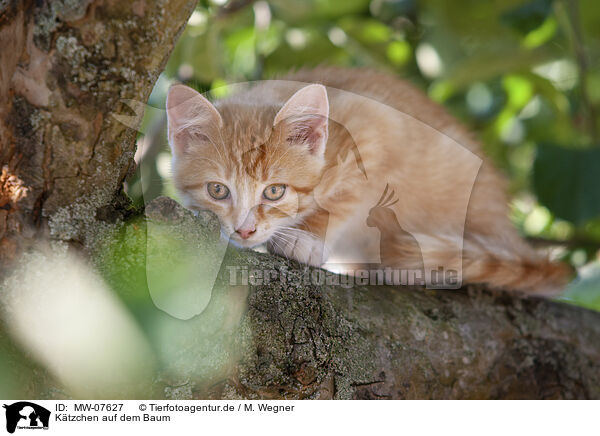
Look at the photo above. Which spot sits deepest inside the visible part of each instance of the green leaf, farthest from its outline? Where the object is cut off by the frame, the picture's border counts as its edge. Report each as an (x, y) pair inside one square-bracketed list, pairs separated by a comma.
[(542, 34), (398, 52), (307, 12), (566, 181), (366, 30), (529, 16), (519, 90)]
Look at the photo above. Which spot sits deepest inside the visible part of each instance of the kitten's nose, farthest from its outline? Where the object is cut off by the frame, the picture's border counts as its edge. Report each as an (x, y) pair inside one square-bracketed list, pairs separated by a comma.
[(245, 233)]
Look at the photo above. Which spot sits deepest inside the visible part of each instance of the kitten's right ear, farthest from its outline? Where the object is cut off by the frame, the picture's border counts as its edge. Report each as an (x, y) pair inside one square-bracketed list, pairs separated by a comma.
[(190, 118), (305, 115)]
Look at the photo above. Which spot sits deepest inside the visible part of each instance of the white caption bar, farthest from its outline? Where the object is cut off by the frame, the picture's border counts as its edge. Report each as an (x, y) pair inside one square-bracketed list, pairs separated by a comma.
[(300, 417)]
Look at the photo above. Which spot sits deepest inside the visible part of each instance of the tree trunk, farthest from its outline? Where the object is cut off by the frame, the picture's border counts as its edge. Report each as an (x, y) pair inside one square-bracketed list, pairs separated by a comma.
[(65, 68)]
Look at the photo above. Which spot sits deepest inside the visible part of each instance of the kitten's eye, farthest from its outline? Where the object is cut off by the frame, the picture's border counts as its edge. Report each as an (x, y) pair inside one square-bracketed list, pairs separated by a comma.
[(274, 192), (218, 191)]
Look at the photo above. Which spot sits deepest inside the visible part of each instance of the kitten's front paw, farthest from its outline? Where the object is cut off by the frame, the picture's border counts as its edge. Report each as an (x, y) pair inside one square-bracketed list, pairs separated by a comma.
[(305, 248)]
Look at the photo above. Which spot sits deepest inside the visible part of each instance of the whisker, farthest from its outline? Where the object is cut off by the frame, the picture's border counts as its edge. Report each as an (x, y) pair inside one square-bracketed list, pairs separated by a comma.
[(285, 238), (280, 248), (283, 235)]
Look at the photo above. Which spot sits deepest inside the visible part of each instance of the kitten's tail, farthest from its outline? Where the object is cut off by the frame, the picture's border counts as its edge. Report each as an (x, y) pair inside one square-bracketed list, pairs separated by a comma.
[(520, 268), (541, 277), (501, 264)]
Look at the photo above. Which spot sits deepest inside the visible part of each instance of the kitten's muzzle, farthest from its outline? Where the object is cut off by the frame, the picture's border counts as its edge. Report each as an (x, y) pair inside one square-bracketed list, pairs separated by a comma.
[(245, 233)]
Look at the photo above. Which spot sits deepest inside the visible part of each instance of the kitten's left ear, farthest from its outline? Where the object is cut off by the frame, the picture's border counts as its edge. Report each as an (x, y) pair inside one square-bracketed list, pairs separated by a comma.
[(305, 116), (190, 118)]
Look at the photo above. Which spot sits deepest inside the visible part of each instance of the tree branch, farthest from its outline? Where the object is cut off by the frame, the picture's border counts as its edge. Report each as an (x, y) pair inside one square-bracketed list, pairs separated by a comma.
[(301, 340)]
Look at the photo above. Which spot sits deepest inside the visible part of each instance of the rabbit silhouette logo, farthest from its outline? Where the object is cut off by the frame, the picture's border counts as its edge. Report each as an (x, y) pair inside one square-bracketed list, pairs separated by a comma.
[(26, 415)]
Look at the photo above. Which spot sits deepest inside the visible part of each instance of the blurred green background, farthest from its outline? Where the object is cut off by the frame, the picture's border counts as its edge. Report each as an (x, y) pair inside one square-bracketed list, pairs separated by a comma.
[(523, 75)]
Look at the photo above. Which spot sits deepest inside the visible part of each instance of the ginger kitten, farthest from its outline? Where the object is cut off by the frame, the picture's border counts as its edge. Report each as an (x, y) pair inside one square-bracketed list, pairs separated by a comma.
[(353, 168)]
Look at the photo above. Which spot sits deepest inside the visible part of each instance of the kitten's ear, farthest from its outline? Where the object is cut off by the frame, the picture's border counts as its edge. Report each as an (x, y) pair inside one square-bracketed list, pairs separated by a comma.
[(305, 117), (190, 118)]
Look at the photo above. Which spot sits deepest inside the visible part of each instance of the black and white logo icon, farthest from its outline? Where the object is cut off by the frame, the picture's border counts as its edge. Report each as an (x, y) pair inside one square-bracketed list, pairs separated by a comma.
[(26, 415)]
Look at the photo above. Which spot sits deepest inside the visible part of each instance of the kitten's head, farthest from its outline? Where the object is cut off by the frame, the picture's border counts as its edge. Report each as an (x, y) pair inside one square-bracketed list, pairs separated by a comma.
[(254, 165)]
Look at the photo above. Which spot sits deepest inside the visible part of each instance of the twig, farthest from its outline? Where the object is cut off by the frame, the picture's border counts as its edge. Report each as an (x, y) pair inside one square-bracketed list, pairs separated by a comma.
[(568, 243), (582, 63), (232, 6)]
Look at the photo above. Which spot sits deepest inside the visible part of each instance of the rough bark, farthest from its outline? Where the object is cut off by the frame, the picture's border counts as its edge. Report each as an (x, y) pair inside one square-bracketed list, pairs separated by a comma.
[(66, 66)]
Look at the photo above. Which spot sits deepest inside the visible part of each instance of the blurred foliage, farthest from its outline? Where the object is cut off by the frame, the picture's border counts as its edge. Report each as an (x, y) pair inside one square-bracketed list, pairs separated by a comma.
[(523, 74)]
